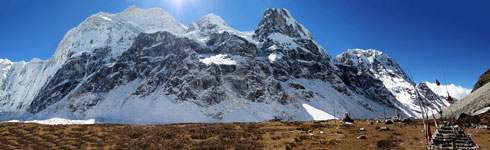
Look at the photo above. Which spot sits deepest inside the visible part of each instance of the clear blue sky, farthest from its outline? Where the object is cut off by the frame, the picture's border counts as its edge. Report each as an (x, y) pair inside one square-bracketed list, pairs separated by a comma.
[(424, 37)]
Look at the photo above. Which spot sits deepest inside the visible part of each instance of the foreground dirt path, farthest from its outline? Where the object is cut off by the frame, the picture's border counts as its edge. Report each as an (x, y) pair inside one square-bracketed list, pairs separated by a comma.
[(264, 135)]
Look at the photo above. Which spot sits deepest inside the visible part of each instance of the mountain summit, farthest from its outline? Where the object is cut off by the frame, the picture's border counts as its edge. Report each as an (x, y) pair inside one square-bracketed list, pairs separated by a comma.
[(280, 21), (209, 22), (142, 66)]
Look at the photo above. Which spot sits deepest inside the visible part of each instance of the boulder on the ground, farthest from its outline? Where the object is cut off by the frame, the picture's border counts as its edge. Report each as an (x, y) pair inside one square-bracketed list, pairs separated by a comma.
[(406, 121), (346, 118)]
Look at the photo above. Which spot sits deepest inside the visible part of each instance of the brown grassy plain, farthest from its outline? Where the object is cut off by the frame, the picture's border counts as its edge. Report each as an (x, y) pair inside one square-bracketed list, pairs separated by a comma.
[(262, 135)]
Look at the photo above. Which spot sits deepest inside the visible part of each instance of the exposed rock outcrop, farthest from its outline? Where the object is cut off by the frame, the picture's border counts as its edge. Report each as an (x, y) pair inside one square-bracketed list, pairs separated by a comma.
[(484, 79)]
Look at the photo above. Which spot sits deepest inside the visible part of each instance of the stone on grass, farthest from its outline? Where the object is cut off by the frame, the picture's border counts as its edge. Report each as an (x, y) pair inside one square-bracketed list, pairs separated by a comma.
[(347, 118)]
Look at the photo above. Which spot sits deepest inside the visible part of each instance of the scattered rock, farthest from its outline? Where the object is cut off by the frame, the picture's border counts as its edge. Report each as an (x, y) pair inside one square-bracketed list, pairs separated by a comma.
[(348, 123), (481, 127), (396, 119), (311, 134), (389, 122), (321, 132), (362, 129), (346, 118), (371, 123), (383, 128), (361, 137), (407, 121)]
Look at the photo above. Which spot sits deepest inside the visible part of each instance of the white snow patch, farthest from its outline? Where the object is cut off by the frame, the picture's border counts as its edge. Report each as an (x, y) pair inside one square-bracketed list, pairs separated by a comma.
[(57, 121), (283, 40), (154, 45), (317, 114), (151, 31), (273, 57), (455, 91), (219, 59), (106, 18)]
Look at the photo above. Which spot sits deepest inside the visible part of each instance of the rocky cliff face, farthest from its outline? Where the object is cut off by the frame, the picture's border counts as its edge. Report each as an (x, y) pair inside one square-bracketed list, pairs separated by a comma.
[(142, 66), (375, 75), (100, 38), (484, 79), (431, 99)]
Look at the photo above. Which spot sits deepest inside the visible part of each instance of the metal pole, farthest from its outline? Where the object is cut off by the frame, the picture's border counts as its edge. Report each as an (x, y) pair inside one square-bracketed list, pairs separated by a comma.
[(334, 110), (384, 112)]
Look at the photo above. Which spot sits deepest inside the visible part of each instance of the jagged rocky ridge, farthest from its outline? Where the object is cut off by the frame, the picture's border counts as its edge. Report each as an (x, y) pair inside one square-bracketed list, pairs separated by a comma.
[(142, 66), (378, 77)]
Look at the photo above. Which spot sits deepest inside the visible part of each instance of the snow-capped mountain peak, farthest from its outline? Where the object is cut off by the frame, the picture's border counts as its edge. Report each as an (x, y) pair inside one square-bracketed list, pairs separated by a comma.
[(4, 61), (202, 29), (360, 57), (378, 63), (373, 64), (280, 21), (102, 36), (374, 60), (281, 35), (116, 31), (209, 22), (151, 19), (208, 25)]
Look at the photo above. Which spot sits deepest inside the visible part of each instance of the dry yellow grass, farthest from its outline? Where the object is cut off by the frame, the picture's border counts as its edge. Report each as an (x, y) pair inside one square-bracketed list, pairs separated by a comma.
[(264, 135)]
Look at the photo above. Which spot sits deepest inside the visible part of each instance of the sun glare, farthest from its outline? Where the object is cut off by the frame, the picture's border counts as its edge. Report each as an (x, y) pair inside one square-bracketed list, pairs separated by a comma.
[(178, 5)]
